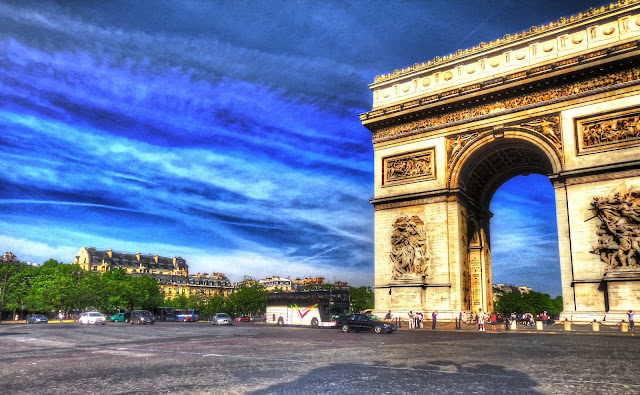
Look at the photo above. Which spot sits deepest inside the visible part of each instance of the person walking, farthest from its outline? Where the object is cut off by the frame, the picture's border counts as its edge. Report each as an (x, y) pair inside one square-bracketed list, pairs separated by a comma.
[(480, 321), (434, 318), (411, 321), (388, 316), (61, 316), (493, 318), (630, 315)]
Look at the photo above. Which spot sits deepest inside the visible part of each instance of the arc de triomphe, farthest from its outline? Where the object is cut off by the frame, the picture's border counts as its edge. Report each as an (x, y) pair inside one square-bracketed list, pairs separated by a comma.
[(561, 100)]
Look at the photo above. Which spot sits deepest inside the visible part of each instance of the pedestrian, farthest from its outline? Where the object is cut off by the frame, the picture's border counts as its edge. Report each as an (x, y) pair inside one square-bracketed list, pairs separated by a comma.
[(419, 318), (480, 321), (388, 316), (630, 315), (16, 318), (61, 316), (464, 317), (493, 319), (434, 318), (412, 323)]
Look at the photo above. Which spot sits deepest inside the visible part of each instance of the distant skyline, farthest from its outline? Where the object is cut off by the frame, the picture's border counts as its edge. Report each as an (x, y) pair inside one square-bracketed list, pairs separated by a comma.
[(228, 132)]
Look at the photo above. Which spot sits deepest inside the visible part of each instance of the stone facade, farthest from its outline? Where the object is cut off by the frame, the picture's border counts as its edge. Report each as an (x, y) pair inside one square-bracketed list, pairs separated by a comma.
[(561, 100), (172, 273)]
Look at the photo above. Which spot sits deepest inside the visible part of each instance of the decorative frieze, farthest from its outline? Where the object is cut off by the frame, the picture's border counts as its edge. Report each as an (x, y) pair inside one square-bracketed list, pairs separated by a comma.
[(409, 167), (498, 107), (604, 132)]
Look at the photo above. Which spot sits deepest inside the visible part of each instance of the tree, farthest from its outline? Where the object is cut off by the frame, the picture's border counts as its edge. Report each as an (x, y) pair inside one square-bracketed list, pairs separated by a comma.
[(142, 292), (248, 299), (362, 298), (533, 302)]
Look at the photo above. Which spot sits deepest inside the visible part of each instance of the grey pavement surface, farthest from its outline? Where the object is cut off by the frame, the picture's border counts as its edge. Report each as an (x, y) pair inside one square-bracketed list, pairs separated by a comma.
[(198, 358)]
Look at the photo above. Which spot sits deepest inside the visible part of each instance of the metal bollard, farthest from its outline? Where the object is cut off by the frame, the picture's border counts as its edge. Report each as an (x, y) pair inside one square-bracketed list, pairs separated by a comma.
[(595, 326), (539, 325), (624, 326), (567, 325)]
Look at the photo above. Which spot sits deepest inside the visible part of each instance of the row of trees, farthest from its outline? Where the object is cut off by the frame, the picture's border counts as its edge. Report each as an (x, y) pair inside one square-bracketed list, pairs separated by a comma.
[(533, 302), (55, 286)]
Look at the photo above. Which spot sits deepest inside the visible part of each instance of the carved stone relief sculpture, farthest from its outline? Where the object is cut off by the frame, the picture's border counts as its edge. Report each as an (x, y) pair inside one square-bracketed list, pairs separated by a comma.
[(614, 131), (411, 167), (549, 127), (409, 247), (619, 230)]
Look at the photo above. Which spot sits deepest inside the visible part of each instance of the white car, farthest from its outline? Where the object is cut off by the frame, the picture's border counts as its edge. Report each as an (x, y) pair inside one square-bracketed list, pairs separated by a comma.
[(91, 318), (222, 319)]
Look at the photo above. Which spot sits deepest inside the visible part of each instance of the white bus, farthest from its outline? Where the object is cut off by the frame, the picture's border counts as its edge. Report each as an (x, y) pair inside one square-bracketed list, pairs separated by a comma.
[(312, 308)]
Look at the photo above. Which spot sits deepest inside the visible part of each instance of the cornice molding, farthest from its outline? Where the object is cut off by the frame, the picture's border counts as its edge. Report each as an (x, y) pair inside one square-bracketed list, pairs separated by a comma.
[(533, 33), (592, 86)]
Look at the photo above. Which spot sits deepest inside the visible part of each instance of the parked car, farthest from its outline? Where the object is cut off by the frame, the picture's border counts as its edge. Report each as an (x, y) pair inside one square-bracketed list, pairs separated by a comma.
[(365, 322), (257, 318), (119, 317), (36, 319), (243, 318), (222, 319), (91, 317), (141, 317)]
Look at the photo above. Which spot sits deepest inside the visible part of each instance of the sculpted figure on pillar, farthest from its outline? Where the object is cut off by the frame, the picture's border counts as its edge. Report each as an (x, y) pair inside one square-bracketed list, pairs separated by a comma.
[(409, 247), (619, 230)]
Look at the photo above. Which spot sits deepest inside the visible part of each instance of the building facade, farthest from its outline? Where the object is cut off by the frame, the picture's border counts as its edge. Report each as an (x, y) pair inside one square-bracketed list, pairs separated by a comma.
[(172, 273)]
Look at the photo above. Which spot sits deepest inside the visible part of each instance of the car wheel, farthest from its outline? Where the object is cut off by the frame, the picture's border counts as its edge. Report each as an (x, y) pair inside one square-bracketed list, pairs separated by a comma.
[(280, 322), (102, 322), (213, 322), (345, 328), (314, 322), (377, 329)]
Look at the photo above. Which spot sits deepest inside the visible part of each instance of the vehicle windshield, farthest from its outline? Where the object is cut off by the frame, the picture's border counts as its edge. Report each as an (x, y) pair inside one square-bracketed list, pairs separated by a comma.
[(95, 314), (222, 315)]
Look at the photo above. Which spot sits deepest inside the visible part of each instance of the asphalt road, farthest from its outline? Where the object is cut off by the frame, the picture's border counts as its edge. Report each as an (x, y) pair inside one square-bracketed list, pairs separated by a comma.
[(198, 358)]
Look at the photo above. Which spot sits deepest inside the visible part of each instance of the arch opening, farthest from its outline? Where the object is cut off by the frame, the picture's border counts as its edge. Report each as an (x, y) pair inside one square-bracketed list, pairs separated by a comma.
[(482, 170), (525, 249)]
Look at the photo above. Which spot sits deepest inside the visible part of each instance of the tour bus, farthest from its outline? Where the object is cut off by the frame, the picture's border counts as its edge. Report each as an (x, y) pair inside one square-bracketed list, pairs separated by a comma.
[(312, 308), (187, 315)]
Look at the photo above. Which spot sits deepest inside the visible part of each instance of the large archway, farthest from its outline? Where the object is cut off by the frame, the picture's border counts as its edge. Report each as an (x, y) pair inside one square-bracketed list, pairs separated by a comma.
[(562, 101), (479, 168)]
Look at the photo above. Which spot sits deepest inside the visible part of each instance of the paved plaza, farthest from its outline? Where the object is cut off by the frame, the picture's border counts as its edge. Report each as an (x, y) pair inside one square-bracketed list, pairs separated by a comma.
[(259, 359)]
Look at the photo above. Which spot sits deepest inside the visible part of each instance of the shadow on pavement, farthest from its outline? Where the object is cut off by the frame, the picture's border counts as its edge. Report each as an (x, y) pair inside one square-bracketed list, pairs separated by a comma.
[(435, 377)]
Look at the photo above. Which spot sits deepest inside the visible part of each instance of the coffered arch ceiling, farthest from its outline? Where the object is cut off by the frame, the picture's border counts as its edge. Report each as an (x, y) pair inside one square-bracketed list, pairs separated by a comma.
[(493, 163)]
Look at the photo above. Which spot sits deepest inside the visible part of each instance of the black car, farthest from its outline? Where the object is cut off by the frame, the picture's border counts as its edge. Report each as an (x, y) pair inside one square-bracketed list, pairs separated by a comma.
[(364, 322), (141, 317)]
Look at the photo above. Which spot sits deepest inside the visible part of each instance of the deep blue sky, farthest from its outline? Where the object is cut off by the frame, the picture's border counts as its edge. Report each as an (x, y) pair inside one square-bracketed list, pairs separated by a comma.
[(228, 132)]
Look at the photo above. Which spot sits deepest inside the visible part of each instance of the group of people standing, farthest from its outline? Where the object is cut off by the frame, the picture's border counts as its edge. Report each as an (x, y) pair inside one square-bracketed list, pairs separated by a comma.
[(415, 319)]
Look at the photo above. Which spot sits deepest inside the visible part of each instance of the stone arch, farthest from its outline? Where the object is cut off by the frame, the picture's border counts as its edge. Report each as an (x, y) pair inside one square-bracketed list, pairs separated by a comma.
[(490, 159)]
